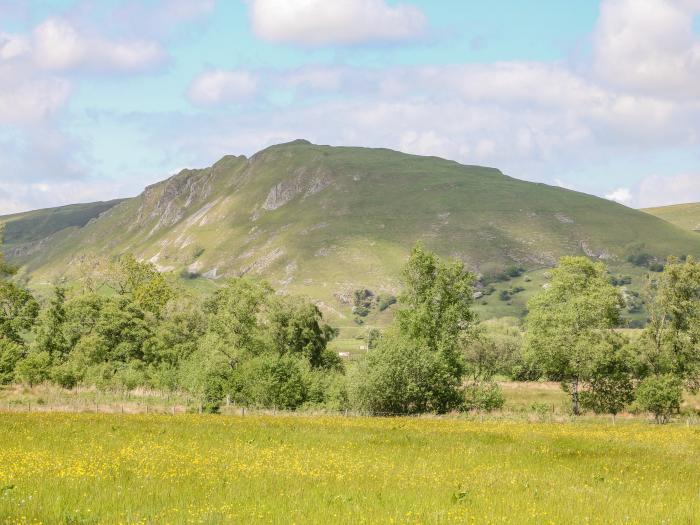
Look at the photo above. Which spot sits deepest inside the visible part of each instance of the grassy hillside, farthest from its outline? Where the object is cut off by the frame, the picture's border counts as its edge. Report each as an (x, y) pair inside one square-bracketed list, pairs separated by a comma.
[(23, 229), (686, 216), (324, 221)]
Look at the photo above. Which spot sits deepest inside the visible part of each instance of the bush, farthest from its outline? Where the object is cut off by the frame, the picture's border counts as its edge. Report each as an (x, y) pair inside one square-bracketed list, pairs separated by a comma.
[(403, 377), (660, 395), (66, 375), (273, 382), (385, 301), (34, 368), (483, 396), (514, 271), (504, 295)]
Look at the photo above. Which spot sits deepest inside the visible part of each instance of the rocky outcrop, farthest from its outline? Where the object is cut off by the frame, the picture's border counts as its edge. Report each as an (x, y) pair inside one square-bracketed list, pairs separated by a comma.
[(303, 181)]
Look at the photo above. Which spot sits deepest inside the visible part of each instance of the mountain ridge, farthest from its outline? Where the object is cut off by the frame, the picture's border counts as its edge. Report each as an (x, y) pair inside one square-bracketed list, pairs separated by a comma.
[(323, 221)]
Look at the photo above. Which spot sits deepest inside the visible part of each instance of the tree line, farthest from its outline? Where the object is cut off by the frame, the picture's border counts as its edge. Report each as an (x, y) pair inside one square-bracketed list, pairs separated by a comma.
[(133, 326)]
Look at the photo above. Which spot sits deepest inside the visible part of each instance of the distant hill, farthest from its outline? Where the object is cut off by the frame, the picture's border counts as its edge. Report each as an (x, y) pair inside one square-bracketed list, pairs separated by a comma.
[(686, 216), (34, 226), (323, 221)]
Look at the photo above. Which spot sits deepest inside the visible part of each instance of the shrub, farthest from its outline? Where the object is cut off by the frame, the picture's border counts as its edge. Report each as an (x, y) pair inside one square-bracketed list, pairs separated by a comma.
[(483, 396), (66, 375), (660, 395), (385, 301), (403, 377), (34, 368), (514, 271), (273, 382)]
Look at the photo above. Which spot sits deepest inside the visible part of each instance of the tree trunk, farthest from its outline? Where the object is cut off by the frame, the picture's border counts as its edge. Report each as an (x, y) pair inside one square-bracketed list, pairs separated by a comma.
[(574, 398)]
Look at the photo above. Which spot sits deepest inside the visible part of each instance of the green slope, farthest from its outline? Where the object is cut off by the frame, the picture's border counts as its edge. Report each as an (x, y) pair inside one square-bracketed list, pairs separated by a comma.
[(686, 216), (33, 226), (323, 221)]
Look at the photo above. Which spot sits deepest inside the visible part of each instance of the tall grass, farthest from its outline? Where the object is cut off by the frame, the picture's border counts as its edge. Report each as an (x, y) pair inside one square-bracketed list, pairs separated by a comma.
[(99, 468)]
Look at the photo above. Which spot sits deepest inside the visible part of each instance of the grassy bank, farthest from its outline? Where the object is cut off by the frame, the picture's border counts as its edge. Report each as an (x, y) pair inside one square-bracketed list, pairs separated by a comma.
[(99, 468)]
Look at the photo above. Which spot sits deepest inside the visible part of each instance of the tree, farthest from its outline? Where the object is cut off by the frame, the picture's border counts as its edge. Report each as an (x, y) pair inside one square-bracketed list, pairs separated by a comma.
[(10, 354), (235, 313), (403, 376), (141, 282), (417, 366), (569, 319), (296, 327), (610, 380), (436, 305), (50, 336), (18, 309), (661, 395), (34, 368), (670, 343)]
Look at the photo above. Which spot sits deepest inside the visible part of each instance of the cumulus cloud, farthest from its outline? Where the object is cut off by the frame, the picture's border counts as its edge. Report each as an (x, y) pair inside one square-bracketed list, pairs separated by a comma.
[(649, 46), (222, 87), (27, 97), (320, 22), (659, 190), (58, 46), (621, 195)]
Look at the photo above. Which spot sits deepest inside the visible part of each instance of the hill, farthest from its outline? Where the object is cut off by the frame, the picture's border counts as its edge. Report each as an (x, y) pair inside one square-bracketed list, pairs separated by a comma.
[(324, 221), (686, 216), (23, 230)]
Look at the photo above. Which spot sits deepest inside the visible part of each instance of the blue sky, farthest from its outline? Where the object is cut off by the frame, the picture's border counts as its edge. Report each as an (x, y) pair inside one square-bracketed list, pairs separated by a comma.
[(100, 98)]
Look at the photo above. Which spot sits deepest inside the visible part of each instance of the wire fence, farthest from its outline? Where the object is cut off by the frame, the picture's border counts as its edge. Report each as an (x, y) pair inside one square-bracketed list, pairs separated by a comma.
[(192, 407)]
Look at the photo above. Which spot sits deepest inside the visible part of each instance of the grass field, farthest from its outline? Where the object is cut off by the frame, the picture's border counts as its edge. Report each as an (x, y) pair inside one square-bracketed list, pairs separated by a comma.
[(97, 468)]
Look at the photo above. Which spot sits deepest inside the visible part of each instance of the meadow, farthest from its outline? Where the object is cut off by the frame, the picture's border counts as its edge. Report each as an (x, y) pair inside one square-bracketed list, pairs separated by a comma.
[(101, 468)]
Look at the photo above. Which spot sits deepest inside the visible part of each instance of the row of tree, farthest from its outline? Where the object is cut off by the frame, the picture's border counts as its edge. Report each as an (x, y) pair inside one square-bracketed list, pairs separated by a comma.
[(133, 326)]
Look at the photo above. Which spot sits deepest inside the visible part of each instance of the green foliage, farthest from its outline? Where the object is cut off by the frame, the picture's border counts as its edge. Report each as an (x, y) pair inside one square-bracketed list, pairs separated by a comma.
[(436, 304), (514, 270), (50, 336), (418, 365), (568, 321), (483, 396), (273, 381), (402, 376), (10, 354), (18, 310), (671, 342), (609, 377), (34, 368), (297, 327), (384, 301), (660, 395)]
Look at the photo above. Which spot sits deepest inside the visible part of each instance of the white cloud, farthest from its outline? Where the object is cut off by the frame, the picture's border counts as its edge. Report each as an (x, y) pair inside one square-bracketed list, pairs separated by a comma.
[(621, 195), (58, 46), (13, 46), (658, 190), (649, 46), (26, 97), (222, 87), (321, 22)]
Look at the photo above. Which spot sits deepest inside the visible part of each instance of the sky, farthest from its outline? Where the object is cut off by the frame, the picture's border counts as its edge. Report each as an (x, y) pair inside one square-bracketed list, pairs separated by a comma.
[(99, 98)]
